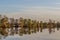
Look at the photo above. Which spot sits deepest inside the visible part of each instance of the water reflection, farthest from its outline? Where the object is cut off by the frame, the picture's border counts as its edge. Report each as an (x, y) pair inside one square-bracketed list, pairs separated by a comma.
[(23, 26)]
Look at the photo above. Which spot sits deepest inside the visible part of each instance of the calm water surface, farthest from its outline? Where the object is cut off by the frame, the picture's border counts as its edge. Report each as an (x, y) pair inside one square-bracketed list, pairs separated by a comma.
[(36, 36)]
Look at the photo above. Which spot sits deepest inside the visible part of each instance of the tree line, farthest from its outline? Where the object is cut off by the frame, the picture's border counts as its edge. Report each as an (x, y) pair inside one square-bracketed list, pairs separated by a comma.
[(11, 26)]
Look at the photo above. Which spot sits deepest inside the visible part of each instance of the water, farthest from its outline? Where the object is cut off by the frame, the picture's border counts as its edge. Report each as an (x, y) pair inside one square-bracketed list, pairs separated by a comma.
[(36, 36)]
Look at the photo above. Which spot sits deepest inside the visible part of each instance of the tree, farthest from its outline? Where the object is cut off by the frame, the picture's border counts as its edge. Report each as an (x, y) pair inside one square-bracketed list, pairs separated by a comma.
[(25, 26), (50, 26), (38, 25), (54, 26), (4, 25), (16, 26), (29, 26), (12, 26), (58, 25), (21, 23), (41, 26), (0, 24), (34, 26)]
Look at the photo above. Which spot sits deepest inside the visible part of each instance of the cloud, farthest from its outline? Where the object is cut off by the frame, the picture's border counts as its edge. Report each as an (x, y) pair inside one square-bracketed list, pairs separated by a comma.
[(57, 3), (38, 13)]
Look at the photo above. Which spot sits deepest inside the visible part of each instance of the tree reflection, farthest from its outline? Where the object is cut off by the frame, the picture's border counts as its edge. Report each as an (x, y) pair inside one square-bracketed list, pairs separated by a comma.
[(25, 26)]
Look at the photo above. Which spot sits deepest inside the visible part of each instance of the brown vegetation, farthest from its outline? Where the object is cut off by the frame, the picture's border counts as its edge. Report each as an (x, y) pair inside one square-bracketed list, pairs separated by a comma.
[(25, 26)]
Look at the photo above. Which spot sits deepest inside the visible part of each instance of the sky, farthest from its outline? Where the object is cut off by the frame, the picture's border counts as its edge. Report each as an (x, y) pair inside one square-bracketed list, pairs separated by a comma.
[(34, 9)]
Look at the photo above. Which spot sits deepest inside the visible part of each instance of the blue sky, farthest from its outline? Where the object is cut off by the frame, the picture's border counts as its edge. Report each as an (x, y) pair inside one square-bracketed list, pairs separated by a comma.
[(31, 8), (18, 5), (28, 2)]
